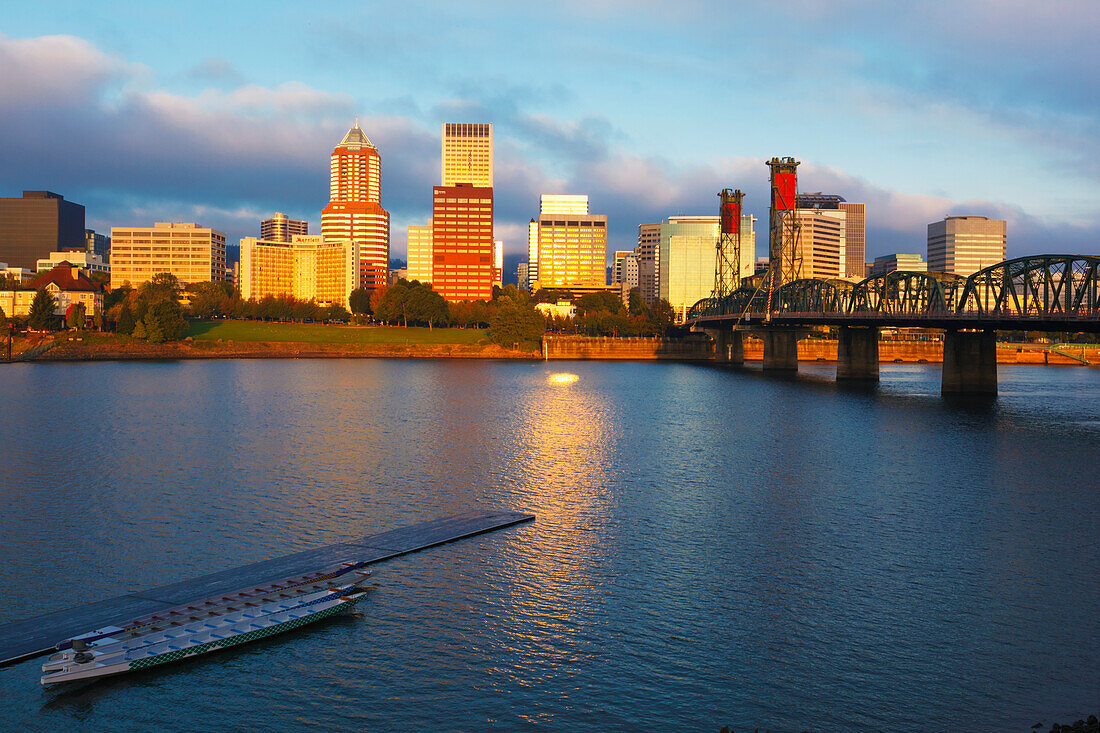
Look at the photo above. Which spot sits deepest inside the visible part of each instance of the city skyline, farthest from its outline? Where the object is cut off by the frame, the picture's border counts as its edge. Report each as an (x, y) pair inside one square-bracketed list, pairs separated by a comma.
[(918, 132)]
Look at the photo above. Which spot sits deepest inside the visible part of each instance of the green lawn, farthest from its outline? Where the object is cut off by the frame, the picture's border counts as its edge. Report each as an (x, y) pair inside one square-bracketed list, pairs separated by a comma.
[(319, 333)]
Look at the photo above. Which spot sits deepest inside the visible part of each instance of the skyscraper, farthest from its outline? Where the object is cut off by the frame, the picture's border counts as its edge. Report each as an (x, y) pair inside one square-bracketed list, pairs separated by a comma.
[(855, 225), (354, 211), (532, 254), (822, 242), (38, 223), (279, 228), (649, 240), (462, 242), (420, 253), (467, 154), (686, 258), (965, 244), (572, 243)]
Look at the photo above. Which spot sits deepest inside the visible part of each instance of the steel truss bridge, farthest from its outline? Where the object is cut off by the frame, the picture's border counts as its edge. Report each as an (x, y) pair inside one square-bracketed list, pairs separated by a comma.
[(1040, 293)]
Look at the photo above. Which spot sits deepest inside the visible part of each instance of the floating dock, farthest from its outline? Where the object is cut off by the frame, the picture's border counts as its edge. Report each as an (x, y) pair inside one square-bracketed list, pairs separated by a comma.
[(32, 637)]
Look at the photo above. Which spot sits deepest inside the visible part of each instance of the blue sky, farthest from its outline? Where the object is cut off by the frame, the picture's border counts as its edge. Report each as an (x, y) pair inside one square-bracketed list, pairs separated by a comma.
[(226, 112)]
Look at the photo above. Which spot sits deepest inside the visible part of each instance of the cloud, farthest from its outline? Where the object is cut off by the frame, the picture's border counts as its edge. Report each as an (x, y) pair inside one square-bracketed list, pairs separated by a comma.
[(215, 70), (96, 128)]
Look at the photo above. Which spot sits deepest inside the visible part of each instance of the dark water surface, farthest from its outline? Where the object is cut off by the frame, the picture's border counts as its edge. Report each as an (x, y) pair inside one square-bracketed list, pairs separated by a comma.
[(712, 547)]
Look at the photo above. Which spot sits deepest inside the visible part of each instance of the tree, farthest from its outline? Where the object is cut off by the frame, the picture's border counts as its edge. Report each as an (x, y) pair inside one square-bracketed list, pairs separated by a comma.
[(602, 300), (3, 320), (41, 317), (337, 312), (113, 297), (636, 304), (125, 322), (359, 300), (76, 316), (513, 323), (661, 317), (164, 322)]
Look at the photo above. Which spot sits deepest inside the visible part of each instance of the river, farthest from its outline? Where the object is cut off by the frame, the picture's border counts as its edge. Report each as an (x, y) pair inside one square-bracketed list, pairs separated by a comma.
[(712, 547)]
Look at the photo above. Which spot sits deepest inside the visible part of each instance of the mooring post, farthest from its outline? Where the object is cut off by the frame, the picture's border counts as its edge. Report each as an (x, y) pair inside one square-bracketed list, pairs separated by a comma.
[(857, 354), (969, 362)]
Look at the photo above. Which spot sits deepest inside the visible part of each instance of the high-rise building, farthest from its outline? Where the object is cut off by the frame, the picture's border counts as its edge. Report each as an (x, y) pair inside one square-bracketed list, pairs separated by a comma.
[(190, 252), (97, 244), (307, 268), (617, 264), (822, 238), (467, 154), (532, 254), (649, 245), (354, 211), (279, 228), (38, 223), (498, 263), (462, 242), (572, 243), (899, 261), (855, 225), (521, 276), (420, 253), (965, 244), (686, 258)]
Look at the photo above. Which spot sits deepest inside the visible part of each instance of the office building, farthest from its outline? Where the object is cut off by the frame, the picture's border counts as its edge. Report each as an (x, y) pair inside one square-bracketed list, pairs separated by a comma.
[(617, 264), (498, 263), (280, 228), (467, 154), (649, 245), (307, 268), (965, 244), (822, 240), (855, 225), (462, 242), (686, 258), (190, 252), (532, 254), (354, 211), (38, 223), (420, 253), (97, 244), (86, 261), (521, 277), (572, 249), (899, 261)]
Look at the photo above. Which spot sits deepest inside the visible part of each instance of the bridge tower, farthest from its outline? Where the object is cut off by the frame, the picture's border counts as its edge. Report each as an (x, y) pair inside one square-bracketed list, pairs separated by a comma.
[(727, 260), (784, 253)]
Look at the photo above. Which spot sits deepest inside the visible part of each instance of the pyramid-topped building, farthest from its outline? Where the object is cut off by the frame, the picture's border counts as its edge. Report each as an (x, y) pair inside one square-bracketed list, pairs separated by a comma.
[(354, 210)]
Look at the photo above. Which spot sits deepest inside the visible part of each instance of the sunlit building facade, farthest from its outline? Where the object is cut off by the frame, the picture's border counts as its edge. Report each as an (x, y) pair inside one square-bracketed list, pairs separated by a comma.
[(280, 228), (572, 243), (822, 242), (354, 211), (462, 242), (420, 253), (190, 252), (686, 258), (308, 268), (898, 261), (532, 254), (467, 154), (965, 244)]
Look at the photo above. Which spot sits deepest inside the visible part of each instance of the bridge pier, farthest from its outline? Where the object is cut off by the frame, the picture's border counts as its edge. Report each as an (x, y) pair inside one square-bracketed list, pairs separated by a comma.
[(969, 362), (857, 354), (780, 349), (729, 346)]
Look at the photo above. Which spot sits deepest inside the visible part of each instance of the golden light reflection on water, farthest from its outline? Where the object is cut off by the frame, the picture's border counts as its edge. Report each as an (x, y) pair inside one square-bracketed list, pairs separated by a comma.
[(563, 445)]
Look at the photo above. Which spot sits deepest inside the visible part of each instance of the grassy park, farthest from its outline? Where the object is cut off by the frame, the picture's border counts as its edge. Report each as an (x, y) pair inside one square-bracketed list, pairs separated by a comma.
[(319, 333)]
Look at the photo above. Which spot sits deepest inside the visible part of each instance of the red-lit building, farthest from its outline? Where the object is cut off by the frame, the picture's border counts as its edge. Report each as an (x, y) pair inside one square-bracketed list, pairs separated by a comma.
[(462, 242), (354, 211)]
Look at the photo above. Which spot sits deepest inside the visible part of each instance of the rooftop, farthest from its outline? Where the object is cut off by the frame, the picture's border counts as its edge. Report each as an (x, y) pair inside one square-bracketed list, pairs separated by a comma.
[(356, 139)]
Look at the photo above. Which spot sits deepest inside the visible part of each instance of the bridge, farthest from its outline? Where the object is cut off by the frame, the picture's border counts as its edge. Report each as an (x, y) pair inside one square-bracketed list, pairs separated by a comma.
[(1052, 293)]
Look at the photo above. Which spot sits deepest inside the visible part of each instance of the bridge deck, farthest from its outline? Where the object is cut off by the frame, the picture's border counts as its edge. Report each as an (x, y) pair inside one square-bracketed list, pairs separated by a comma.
[(34, 636), (945, 321)]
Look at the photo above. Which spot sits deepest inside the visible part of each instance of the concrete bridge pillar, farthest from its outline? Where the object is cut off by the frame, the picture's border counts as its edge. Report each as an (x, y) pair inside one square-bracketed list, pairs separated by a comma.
[(969, 362), (729, 346), (780, 350), (857, 353)]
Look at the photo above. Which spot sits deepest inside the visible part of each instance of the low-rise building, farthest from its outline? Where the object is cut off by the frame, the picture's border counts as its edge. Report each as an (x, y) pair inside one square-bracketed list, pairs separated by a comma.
[(85, 260), (190, 252), (310, 267), (67, 284), (561, 309), (898, 261)]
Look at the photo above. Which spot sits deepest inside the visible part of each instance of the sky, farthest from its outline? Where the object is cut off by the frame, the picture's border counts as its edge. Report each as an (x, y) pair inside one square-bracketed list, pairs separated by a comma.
[(224, 113)]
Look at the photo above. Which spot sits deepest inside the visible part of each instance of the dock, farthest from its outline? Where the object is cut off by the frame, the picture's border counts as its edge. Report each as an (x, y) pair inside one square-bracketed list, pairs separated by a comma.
[(35, 636)]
